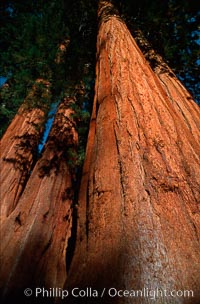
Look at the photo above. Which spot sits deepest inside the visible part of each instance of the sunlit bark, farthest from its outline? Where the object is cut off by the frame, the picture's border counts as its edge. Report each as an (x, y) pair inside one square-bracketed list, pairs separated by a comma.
[(138, 215)]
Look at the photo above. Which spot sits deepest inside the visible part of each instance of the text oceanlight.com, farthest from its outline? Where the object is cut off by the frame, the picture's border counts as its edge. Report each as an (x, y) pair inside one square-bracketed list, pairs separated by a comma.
[(109, 292)]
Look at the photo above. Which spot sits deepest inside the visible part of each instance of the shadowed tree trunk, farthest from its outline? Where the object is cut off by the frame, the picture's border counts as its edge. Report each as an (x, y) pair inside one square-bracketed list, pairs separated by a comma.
[(18, 151), (36, 233), (138, 214)]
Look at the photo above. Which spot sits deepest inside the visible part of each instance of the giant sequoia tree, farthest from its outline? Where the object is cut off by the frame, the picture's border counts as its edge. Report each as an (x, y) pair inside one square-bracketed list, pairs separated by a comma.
[(134, 222)]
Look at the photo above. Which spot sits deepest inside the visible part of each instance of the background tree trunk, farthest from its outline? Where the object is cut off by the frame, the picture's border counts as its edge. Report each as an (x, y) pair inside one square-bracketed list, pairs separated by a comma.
[(33, 249), (138, 215), (18, 153)]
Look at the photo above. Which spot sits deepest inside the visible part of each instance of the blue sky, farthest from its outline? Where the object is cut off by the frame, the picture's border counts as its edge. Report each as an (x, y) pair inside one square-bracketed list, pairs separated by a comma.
[(48, 126), (2, 80)]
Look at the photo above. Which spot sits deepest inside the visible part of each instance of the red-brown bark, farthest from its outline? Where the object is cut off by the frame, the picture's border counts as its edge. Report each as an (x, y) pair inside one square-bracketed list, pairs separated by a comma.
[(18, 150), (33, 249), (181, 100), (176, 92), (138, 215), (138, 210)]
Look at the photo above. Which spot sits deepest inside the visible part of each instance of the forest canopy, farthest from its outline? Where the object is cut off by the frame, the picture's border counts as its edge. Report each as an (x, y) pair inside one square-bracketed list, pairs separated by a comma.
[(35, 33)]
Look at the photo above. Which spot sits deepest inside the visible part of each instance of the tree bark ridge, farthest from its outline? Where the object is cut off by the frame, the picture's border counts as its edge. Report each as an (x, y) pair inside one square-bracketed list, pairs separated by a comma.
[(36, 234), (19, 151), (142, 186)]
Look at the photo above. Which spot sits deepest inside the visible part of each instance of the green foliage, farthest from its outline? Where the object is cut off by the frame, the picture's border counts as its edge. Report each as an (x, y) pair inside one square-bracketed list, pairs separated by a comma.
[(30, 36), (39, 96), (82, 93), (7, 108)]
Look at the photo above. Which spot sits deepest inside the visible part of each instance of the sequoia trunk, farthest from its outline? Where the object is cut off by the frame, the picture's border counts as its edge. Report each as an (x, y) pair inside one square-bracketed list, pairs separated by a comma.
[(138, 214), (36, 233), (18, 152)]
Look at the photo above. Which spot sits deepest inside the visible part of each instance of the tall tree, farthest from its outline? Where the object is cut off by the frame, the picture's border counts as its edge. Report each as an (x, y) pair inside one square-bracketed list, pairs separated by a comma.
[(138, 214), (137, 209), (19, 145), (37, 231)]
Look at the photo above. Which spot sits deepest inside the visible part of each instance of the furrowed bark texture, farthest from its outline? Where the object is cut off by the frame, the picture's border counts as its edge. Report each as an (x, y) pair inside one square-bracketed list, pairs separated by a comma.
[(18, 152), (180, 99), (176, 92), (138, 215), (36, 233)]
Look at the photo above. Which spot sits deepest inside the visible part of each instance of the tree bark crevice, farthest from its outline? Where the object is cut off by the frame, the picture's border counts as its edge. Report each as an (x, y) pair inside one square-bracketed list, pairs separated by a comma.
[(134, 222), (147, 143)]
